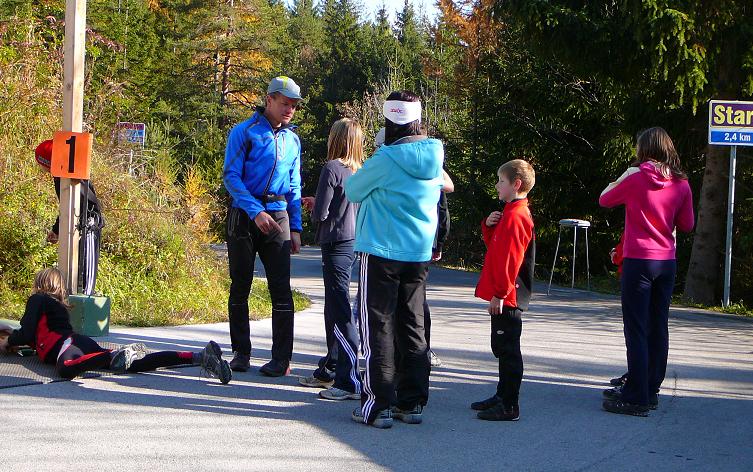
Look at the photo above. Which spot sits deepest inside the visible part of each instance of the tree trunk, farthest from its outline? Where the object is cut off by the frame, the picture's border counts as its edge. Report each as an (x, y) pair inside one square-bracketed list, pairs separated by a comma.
[(225, 89), (705, 270)]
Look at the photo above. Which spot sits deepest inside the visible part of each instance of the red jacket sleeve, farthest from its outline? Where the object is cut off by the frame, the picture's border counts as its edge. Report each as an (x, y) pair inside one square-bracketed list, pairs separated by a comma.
[(513, 236), (487, 232)]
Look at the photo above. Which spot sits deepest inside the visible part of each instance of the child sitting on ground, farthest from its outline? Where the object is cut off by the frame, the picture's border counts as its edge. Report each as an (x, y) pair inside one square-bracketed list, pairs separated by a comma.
[(46, 327)]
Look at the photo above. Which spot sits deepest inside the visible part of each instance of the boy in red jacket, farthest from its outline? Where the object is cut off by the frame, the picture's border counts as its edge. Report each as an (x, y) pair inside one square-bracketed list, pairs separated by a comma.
[(506, 282)]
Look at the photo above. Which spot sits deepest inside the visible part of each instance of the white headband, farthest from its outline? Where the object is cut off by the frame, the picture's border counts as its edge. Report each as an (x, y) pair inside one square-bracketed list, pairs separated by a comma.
[(401, 113)]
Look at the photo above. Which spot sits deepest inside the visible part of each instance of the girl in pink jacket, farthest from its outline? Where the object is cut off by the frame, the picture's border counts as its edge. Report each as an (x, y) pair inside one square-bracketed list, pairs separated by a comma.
[(658, 201)]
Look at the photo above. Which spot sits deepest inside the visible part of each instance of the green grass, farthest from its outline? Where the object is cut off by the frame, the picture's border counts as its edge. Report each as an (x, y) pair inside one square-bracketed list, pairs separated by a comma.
[(611, 285), (739, 309)]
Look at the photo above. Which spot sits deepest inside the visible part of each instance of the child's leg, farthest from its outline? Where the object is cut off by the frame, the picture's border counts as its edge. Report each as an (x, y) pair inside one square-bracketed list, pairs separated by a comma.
[(338, 265), (413, 379), (332, 275), (156, 360), (636, 301), (80, 354), (378, 283), (91, 256), (506, 330), (427, 320), (658, 336)]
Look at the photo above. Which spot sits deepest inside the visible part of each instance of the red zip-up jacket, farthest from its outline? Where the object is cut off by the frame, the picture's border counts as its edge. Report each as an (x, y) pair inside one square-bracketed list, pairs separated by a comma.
[(509, 261)]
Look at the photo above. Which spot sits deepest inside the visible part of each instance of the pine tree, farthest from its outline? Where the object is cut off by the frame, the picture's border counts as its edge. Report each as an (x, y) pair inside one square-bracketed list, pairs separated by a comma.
[(661, 63), (412, 40)]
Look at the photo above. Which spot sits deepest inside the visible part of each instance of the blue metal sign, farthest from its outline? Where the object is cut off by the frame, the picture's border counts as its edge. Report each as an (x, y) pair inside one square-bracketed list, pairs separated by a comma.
[(731, 138), (730, 123), (134, 133)]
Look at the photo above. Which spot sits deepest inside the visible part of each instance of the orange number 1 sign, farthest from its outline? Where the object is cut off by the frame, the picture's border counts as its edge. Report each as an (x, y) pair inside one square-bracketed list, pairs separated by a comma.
[(71, 155)]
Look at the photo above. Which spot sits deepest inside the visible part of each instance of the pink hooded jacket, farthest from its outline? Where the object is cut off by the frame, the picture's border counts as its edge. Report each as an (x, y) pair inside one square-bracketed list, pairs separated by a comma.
[(654, 206)]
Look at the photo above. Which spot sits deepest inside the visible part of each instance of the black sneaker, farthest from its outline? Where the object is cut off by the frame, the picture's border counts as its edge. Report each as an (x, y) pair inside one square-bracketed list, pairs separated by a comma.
[(624, 408), (486, 404), (499, 412), (619, 381), (241, 362), (383, 420), (616, 394), (275, 368), (213, 364), (410, 416), (612, 393)]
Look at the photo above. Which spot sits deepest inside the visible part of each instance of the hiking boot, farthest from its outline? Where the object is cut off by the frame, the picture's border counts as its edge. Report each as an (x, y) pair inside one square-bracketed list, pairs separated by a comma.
[(213, 364), (624, 408), (616, 394), (275, 368), (410, 416), (334, 393), (240, 362), (122, 358), (315, 382), (499, 412), (383, 420), (486, 404), (619, 381), (434, 360)]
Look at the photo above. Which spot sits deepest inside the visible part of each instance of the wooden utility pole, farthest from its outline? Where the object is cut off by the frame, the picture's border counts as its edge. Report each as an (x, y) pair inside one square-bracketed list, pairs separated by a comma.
[(73, 111)]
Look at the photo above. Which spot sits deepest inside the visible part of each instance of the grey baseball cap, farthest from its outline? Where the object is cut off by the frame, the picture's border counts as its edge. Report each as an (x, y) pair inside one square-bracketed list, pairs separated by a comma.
[(286, 86)]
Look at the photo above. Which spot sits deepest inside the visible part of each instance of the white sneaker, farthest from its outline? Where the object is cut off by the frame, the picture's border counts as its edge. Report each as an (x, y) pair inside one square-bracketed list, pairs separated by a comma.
[(123, 358), (334, 393), (434, 360)]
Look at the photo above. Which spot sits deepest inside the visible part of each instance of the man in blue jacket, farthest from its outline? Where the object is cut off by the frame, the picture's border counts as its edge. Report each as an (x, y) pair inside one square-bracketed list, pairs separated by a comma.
[(262, 174), (398, 189)]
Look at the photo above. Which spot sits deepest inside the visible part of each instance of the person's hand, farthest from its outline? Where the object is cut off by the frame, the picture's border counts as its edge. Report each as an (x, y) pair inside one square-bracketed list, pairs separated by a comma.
[(295, 242), (436, 255), (495, 306), (3, 344), (612, 255), (493, 218), (448, 186), (52, 237), (266, 223), (308, 202)]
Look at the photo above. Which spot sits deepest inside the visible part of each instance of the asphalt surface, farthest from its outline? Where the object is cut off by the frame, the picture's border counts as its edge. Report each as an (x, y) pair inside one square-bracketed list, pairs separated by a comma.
[(572, 344)]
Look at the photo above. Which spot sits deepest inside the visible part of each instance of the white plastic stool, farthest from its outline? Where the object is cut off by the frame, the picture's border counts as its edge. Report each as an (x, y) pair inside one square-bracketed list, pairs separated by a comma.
[(575, 224)]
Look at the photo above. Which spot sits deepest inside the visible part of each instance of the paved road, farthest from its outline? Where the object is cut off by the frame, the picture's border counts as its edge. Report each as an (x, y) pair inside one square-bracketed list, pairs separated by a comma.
[(572, 342)]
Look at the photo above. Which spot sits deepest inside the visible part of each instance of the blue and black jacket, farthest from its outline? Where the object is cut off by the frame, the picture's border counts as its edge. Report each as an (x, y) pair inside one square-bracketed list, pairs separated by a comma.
[(262, 169)]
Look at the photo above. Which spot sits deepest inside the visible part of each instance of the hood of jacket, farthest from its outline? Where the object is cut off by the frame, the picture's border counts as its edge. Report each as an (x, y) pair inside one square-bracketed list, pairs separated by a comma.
[(418, 158), (653, 173)]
